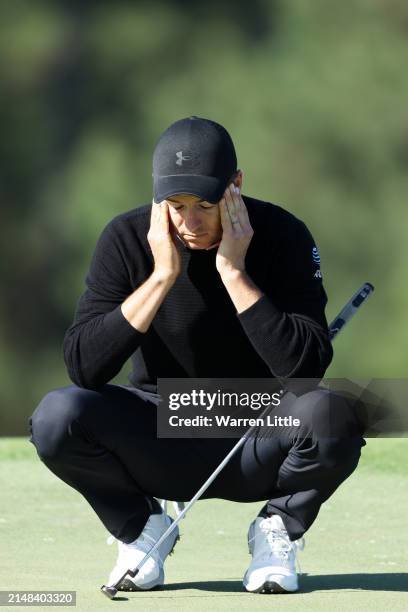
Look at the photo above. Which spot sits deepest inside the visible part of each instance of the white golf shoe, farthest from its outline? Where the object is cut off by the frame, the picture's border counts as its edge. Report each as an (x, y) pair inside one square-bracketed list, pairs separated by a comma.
[(151, 574), (273, 566)]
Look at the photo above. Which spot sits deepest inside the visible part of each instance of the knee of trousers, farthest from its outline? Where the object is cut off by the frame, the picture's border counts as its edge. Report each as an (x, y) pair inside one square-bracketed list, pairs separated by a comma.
[(324, 414), (340, 454), (51, 422)]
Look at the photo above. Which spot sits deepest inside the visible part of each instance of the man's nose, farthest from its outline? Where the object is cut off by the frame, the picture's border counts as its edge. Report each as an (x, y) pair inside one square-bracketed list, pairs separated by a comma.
[(192, 221)]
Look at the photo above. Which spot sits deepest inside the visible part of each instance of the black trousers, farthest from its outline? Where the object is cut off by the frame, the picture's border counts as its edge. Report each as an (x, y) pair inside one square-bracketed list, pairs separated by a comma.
[(103, 444)]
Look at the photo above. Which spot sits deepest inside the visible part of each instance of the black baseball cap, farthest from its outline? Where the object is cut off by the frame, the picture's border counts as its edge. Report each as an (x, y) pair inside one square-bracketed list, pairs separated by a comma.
[(194, 156)]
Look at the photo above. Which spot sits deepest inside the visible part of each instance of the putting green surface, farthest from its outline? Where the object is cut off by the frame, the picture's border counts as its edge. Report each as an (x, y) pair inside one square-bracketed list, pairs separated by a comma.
[(356, 554)]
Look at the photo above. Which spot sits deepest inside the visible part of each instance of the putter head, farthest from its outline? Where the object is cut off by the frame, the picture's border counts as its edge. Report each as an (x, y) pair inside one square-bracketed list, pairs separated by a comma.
[(109, 591)]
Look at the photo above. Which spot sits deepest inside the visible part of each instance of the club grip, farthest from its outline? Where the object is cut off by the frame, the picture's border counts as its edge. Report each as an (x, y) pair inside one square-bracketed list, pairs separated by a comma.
[(350, 309)]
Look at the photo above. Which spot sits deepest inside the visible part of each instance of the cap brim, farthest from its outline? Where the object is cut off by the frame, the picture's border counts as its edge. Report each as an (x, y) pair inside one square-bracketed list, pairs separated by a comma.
[(208, 188)]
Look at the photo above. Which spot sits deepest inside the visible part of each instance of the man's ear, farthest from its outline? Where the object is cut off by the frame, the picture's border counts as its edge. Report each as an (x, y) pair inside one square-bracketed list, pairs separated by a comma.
[(238, 179)]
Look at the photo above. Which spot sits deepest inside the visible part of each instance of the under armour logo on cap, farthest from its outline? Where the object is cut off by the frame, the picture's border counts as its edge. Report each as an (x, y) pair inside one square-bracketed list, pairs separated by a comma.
[(181, 158), (192, 160)]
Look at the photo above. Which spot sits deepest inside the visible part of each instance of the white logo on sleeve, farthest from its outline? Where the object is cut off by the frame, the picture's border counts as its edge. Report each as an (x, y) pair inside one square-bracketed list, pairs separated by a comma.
[(316, 260)]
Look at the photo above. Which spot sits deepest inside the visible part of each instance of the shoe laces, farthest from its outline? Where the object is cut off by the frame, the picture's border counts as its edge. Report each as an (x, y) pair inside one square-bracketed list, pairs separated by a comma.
[(144, 542), (279, 543)]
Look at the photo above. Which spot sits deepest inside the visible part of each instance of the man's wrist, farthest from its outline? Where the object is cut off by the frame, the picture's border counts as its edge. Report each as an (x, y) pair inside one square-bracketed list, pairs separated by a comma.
[(231, 274), (163, 278), (242, 290)]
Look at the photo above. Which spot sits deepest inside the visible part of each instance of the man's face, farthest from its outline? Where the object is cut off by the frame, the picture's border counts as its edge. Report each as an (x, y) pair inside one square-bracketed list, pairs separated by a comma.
[(196, 221)]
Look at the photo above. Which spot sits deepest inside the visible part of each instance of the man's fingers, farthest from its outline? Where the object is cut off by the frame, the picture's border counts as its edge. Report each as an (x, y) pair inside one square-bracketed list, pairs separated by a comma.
[(155, 209), (159, 217), (163, 221), (225, 218), (154, 215), (233, 208), (228, 206), (241, 210)]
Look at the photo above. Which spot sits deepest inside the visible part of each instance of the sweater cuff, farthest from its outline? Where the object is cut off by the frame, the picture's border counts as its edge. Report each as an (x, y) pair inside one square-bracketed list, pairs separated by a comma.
[(262, 312), (121, 333)]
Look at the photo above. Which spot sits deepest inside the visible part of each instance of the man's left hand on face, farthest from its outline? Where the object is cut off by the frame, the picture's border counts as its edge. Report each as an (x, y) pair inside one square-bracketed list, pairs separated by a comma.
[(237, 232)]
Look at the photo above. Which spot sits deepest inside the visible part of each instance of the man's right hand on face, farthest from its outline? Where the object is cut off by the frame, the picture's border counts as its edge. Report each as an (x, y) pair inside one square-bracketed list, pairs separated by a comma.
[(161, 237)]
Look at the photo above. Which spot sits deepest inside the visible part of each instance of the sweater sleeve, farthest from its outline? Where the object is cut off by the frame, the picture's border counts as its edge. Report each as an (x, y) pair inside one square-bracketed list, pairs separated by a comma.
[(287, 326), (100, 339)]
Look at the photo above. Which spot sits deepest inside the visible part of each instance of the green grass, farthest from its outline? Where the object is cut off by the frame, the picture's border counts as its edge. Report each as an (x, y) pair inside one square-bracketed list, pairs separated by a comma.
[(355, 556)]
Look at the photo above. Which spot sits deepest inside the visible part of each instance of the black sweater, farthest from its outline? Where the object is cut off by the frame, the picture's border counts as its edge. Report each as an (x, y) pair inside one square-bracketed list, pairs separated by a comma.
[(197, 331)]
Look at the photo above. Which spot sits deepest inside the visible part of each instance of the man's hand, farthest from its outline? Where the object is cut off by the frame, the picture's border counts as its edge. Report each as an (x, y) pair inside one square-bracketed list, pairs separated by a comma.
[(237, 232), (167, 261)]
